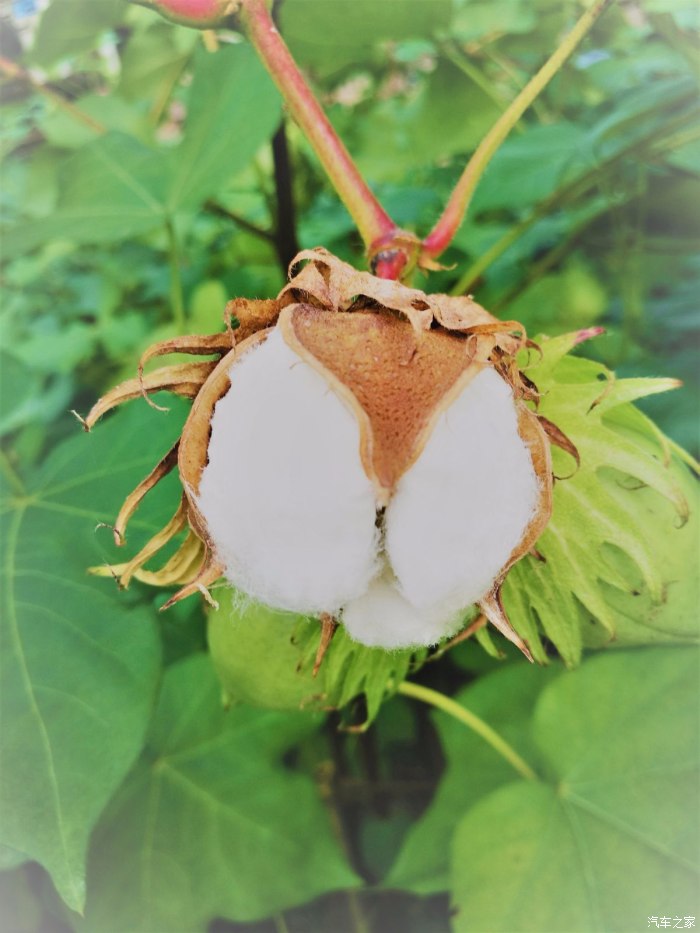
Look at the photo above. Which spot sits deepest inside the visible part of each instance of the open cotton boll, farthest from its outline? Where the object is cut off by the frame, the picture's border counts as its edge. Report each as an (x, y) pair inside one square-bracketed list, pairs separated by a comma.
[(462, 508), (345, 398), (383, 618), (288, 506)]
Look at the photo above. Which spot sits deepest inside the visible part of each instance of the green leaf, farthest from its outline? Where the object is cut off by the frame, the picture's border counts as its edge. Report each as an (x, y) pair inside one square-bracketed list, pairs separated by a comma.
[(69, 27), (332, 35), (10, 859), (64, 131), (79, 660), (265, 658), (211, 823), (19, 391), (116, 187), (153, 59), (505, 698), (576, 287), (449, 114), (234, 108), (610, 835), (518, 176), (111, 189), (475, 19), (631, 494)]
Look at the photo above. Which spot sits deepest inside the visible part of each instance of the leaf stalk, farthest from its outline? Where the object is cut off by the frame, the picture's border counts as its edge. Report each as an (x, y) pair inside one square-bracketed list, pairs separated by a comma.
[(472, 721)]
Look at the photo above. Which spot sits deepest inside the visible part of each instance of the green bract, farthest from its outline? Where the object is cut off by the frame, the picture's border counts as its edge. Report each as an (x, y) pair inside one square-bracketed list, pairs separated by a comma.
[(615, 562)]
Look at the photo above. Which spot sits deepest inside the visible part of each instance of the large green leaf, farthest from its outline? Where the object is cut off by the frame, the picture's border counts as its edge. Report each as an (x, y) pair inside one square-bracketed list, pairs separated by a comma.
[(608, 836), (79, 661), (449, 115), (69, 27), (211, 823), (111, 189), (332, 35), (626, 520), (233, 109), (116, 187), (518, 175), (19, 393)]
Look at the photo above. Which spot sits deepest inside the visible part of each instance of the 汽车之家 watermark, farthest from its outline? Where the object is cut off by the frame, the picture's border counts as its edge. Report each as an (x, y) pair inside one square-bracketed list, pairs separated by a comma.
[(672, 923)]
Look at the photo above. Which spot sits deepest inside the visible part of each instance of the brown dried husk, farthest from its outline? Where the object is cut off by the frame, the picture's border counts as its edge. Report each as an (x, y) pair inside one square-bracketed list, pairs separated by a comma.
[(397, 356)]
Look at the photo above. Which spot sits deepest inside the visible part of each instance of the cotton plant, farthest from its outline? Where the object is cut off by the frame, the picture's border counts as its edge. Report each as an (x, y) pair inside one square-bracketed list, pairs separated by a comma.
[(359, 451)]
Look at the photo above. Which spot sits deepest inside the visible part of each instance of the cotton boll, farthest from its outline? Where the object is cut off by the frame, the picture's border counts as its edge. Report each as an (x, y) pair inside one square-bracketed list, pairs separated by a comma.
[(289, 509), (383, 618), (461, 509)]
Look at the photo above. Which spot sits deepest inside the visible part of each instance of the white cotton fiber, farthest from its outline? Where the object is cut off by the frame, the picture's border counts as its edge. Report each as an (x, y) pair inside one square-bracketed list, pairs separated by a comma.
[(383, 618), (459, 511), (287, 503)]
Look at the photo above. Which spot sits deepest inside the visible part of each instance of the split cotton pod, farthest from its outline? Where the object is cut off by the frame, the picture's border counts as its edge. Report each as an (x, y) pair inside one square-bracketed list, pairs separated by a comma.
[(361, 451)]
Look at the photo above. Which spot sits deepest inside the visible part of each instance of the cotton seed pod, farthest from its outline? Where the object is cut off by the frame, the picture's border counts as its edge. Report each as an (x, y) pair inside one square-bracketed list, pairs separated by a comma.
[(362, 452)]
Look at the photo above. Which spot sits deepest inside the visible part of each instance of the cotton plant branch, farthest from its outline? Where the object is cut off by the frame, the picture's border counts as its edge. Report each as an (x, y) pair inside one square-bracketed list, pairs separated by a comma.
[(445, 229), (375, 226), (661, 139), (285, 239), (393, 252)]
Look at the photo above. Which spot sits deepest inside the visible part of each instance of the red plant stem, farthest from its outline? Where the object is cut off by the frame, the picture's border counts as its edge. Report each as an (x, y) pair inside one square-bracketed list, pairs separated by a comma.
[(372, 220), (445, 229)]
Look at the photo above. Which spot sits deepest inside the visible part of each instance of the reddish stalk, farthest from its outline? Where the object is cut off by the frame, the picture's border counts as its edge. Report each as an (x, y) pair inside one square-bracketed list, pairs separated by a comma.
[(372, 220)]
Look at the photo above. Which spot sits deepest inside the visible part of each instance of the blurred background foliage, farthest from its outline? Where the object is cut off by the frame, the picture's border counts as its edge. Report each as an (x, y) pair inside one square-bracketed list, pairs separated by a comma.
[(140, 191)]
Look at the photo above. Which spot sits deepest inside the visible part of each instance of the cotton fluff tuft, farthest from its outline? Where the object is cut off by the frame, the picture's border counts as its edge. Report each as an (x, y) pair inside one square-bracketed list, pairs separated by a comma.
[(453, 522), (383, 618), (288, 506), (465, 504)]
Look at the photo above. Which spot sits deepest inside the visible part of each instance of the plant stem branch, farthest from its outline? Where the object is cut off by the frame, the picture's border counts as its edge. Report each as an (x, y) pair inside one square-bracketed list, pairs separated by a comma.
[(569, 192), (280, 923), (445, 229), (285, 238), (177, 298), (12, 70), (372, 220), (356, 912), (465, 716), (213, 207)]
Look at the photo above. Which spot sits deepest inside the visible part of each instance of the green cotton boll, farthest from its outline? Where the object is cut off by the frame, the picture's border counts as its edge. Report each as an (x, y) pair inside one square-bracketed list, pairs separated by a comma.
[(257, 653), (265, 658)]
